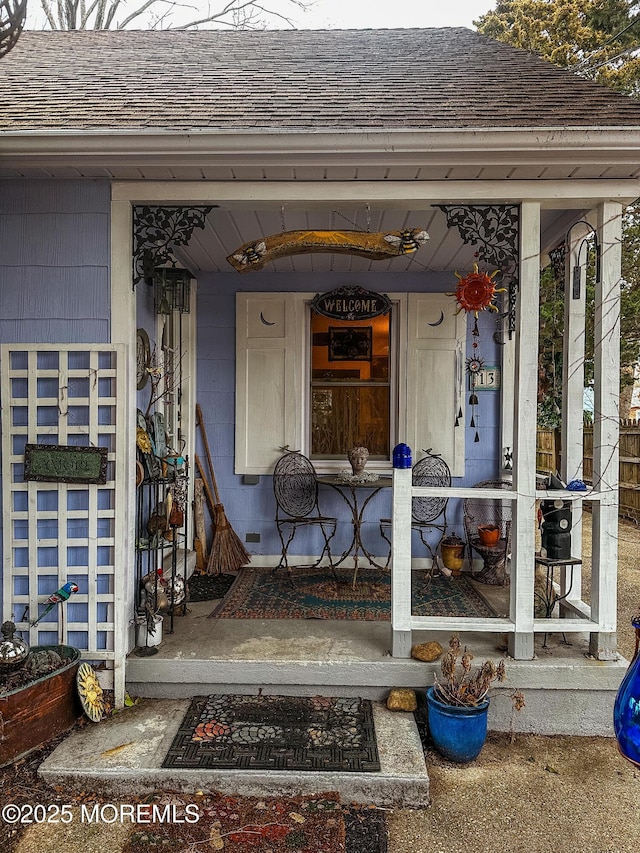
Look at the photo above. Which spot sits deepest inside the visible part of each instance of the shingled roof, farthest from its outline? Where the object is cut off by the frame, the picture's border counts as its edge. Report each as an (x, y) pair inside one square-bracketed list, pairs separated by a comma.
[(292, 80)]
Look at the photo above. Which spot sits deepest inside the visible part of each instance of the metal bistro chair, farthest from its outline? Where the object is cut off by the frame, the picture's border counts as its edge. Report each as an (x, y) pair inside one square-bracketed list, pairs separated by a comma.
[(296, 492), (427, 514), (490, 511)]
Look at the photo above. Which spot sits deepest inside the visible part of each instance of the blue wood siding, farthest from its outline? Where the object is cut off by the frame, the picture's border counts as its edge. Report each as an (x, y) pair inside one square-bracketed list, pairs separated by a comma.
[(251, 508), (54, 262)]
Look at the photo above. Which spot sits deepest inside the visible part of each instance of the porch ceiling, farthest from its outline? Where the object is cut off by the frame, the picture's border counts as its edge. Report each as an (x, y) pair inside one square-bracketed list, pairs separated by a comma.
[(227, 229)]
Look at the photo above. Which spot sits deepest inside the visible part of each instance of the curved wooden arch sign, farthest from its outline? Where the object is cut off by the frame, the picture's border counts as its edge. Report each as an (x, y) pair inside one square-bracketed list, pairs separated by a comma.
[(376, 246)]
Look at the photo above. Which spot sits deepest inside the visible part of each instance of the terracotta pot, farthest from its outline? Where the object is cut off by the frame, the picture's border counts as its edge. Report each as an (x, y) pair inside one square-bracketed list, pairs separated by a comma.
[(489, 534)]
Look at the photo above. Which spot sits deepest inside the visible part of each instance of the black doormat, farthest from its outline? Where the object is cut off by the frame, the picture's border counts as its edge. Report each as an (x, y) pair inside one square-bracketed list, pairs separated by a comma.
[(209, 587), (317, 733)]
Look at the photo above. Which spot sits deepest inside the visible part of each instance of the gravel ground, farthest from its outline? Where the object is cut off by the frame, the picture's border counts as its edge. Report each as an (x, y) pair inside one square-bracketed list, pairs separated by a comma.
[(538, 794), (532, 793)]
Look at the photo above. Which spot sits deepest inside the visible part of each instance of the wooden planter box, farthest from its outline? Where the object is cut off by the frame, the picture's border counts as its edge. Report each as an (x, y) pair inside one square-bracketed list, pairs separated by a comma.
[(33, 714)]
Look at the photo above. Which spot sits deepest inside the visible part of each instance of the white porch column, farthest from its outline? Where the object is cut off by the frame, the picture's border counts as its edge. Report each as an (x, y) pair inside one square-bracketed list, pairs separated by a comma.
[(573, 351), (401, 563), (123, 331), (524, 433), (606, 432)]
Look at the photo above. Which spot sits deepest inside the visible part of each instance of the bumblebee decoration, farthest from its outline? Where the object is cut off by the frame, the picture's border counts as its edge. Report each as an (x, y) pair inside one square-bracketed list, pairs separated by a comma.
[(408, 241), (375, 246), (252, 254)]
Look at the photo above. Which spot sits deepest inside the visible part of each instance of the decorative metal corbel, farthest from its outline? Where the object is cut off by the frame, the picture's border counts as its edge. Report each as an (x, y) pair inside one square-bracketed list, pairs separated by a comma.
[(157, 230), (494, 230)]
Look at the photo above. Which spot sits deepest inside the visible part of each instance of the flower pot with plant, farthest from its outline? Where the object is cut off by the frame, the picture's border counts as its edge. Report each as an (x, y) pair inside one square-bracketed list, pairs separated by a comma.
[(458, 703)]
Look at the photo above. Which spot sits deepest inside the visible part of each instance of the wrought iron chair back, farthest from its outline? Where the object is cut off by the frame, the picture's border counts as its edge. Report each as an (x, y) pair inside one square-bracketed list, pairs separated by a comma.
[(427, 513), (295, 487), (430, 471), (481, 511), (478, 512)]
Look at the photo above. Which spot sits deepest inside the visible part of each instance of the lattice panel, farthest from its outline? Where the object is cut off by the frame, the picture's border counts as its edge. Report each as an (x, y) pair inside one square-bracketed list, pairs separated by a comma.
[(59, 532)]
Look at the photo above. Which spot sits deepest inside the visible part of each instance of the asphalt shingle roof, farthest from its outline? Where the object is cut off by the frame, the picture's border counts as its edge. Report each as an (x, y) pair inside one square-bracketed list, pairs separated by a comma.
[(292, 80)]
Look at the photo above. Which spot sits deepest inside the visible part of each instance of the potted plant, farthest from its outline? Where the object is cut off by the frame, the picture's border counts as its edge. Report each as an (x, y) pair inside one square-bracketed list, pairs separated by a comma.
[(38, 696), (458, 703)]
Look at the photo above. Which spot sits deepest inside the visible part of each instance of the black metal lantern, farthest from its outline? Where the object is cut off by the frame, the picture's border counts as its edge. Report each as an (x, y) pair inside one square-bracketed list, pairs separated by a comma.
[(172, 290), (12, 17)]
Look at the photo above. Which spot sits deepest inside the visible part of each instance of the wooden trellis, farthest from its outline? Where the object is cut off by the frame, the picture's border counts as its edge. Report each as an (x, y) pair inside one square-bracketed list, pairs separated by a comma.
[(54, 532)]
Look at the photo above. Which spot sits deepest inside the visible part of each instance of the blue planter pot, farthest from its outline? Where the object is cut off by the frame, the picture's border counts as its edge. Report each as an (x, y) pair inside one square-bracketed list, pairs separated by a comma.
[(458, 733), (626, 709)]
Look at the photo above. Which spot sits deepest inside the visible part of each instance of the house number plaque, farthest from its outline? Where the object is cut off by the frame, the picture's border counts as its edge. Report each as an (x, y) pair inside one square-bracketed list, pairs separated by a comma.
[(487, 379), (54, 463)]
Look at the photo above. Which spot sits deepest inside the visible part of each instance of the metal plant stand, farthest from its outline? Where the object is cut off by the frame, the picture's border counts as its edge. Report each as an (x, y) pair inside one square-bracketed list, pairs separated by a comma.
[(549, 597)]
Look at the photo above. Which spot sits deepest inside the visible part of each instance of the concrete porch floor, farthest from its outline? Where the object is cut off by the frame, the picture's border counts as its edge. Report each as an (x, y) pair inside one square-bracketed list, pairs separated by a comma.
[(566, 691)]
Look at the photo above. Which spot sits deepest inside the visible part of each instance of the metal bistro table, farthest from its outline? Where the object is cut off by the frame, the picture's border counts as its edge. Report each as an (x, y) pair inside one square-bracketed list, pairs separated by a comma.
[(348, 490)]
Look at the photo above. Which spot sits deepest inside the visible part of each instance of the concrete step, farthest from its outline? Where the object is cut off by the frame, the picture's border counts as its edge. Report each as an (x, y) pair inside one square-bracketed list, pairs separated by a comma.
[(566, 691), (123, 755)]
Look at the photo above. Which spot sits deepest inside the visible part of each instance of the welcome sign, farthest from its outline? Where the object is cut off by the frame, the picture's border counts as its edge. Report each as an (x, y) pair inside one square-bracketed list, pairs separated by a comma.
[(351, 303)]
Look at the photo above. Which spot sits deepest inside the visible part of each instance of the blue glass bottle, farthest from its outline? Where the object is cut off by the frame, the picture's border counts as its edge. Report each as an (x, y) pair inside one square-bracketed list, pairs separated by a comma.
[(626, 710)]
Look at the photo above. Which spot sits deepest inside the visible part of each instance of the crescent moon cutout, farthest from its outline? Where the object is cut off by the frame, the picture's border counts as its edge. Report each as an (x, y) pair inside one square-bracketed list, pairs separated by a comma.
[(437, 323), (265, 322)]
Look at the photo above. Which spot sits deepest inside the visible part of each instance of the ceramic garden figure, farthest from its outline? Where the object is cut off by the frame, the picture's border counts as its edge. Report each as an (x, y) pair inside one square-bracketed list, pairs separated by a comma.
[(358, 457)]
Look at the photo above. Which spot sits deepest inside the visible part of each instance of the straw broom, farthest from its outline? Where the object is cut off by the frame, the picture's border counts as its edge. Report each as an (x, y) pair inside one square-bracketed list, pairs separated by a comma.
[(227, 551)]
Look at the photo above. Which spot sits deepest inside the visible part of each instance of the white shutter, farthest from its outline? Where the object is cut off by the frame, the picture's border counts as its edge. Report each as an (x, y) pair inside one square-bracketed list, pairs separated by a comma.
[(435, 352), (269, 366)]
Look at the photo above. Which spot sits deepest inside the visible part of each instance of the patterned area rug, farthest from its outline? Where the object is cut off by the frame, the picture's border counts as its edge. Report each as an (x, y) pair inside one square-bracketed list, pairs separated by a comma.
[(276, 733), (303, 824), (257, 594)]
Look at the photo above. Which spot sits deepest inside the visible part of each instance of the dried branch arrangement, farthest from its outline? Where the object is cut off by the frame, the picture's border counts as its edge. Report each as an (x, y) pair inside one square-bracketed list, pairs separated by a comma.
[(461, 684)]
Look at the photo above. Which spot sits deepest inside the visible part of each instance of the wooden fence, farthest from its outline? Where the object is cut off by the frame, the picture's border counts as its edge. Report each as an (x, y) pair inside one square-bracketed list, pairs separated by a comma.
[(549, 452)]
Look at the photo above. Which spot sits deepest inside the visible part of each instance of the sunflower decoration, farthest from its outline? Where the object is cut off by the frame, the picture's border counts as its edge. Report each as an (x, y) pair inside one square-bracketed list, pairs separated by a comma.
[(90, 692)]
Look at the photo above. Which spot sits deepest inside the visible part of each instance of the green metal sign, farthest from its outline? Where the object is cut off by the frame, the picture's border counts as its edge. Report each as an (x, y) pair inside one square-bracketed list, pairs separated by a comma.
[(54, 463)]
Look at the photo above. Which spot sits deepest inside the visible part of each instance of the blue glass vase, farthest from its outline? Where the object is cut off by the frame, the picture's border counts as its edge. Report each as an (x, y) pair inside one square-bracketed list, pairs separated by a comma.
[(626, 710)]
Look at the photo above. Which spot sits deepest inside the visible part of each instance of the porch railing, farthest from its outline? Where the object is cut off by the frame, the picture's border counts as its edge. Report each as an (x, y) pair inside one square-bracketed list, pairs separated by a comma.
[(579, 616)]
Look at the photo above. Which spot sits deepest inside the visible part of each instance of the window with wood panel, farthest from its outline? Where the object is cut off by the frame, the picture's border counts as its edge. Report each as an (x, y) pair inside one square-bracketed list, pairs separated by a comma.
[(351, 379)]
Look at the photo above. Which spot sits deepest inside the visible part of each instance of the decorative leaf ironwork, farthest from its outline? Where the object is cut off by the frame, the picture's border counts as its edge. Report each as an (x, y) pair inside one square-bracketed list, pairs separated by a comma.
[(494, 230), (156, 230)]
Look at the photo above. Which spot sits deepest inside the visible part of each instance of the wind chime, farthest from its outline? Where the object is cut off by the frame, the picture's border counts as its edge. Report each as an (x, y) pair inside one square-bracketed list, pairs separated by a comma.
[(475, 292)]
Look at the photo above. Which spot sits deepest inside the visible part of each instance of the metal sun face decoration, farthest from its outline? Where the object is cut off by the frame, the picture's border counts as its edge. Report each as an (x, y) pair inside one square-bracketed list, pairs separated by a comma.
[(475, 292), (90, 692)]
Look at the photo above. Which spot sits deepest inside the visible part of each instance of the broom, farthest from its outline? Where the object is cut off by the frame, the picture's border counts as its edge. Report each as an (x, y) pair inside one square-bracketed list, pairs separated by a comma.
[(227, 551)]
